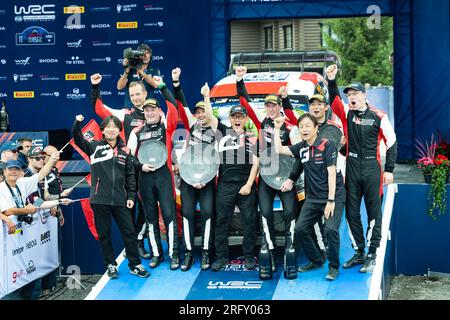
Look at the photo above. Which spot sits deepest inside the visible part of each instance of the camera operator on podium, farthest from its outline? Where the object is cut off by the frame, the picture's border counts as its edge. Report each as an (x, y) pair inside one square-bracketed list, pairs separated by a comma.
[(136, 65)]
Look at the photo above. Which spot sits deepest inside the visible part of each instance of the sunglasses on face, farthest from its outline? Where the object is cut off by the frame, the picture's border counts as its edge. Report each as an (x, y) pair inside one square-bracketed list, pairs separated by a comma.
[(38, 158)]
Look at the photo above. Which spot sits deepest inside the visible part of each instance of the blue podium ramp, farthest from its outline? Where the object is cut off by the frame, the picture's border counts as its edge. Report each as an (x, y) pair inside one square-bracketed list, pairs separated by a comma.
[(236, 283)]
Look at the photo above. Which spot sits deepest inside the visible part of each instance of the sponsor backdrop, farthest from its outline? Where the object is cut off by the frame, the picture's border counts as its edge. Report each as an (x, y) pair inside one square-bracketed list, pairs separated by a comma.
[(40, 139), (48, 50), (30, 253)]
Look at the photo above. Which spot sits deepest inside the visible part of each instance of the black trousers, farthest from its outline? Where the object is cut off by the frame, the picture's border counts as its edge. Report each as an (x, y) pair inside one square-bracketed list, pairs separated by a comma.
[(189, 198), (310, 214), (227, 197), (266, 196), (363, 178), (122, 216), (157, 187)]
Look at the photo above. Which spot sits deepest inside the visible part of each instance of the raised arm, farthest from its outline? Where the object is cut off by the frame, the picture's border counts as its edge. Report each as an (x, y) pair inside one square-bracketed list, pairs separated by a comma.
[(337, 106), (287, 105), (84, 145), (101, 109), (208, 109), (122, 82), (244, 97), (185, 113), (279, 148)]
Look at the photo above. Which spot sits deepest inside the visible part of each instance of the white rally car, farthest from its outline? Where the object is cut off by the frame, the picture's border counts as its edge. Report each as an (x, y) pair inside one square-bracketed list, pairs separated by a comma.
[(300, 85)]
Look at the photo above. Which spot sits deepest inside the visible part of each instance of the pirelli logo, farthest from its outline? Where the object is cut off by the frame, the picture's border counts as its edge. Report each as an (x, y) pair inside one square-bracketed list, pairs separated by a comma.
[(127, 25), (74, 9), (75, 76), (23, 94)]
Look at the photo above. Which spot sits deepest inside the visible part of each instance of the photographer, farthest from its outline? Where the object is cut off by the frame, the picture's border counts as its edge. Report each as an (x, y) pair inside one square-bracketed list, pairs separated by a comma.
[(137, 68)]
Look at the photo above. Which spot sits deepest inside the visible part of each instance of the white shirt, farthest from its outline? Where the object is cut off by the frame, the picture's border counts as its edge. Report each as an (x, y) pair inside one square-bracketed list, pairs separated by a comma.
[(26, 186)]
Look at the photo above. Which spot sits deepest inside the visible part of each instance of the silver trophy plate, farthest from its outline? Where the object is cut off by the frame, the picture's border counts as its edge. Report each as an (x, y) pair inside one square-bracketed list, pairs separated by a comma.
[(199, 164), (153, 152), (275, 168)]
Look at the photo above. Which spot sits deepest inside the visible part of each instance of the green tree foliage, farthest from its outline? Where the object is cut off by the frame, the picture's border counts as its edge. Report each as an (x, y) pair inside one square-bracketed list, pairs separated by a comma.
[(364, 52)]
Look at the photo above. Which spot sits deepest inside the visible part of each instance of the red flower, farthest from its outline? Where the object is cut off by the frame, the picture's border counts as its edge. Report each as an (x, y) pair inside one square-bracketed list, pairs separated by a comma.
[(440, 158)]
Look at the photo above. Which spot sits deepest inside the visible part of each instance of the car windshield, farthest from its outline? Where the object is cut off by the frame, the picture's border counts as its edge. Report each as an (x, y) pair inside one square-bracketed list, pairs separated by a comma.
[(221, 105)]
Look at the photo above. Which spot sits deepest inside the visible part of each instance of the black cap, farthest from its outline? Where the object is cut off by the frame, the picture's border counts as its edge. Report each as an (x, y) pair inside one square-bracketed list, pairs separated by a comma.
[(200, 104), (36, 152), (151, 103), (238, 109), (358, 86), (272, 98), (319, 97)]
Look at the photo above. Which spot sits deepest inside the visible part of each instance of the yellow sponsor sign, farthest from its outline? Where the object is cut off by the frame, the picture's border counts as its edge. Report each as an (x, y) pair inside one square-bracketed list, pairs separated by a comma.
[(23, 94), (126, 25), (74, 9), (75, 76)]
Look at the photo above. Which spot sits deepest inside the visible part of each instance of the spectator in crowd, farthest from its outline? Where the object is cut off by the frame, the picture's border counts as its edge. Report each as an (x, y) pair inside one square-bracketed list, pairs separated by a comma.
[(15, 201), (23, 146), (53, 190), (8, 151)]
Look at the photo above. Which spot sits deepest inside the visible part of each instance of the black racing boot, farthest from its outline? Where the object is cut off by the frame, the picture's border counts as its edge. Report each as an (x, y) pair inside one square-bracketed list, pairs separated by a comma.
[(206, 262), (358, 258), (188, 261)]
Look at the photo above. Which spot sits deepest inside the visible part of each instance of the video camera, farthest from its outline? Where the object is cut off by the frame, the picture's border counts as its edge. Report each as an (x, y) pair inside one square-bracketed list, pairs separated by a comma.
[(25, 218), (134, 58)]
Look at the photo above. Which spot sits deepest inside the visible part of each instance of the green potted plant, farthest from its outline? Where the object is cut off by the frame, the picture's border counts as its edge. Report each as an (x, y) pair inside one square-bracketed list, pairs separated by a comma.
[(434, 163)]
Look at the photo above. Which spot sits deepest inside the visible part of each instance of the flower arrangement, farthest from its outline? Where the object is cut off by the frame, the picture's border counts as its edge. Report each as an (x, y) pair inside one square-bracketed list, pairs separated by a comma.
[(434, 163)]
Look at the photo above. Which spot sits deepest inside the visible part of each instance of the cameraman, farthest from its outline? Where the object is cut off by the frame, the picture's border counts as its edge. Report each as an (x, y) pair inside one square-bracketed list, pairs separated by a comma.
[(144, 73)]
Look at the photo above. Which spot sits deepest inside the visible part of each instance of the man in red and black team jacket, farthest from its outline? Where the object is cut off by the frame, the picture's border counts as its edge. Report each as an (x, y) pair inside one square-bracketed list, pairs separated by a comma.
[(266, 194), (157, 185), (131, 118), (364, 127), (113, 191)]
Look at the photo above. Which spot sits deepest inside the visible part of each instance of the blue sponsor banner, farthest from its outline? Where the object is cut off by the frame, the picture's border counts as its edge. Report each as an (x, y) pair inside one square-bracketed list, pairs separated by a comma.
[(48, 50)]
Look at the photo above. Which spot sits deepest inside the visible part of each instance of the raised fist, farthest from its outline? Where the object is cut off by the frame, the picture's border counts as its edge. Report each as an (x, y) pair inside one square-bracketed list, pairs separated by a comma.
[(283, 92), (96, 78), (331, 71), (279, 122), (79, 118), (205, 90), (176, 74), (241, 71)]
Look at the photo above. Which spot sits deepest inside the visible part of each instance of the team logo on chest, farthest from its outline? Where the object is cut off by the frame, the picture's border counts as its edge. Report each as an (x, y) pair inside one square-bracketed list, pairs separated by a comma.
[(102, 153), (363, 122)]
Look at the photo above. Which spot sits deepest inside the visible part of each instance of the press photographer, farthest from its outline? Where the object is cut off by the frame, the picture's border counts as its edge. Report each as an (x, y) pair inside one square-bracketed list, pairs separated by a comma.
[(137, 67)]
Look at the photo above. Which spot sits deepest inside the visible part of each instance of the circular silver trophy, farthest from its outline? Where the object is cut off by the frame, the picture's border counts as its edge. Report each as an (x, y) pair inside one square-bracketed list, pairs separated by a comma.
[(275, 168), (331, 133), (199, 164), (153, 152)]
